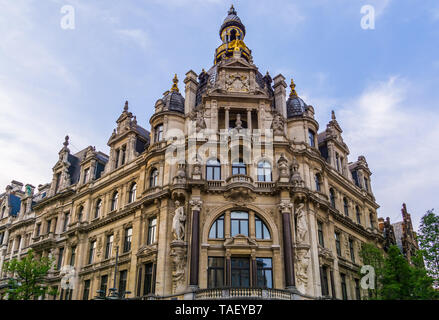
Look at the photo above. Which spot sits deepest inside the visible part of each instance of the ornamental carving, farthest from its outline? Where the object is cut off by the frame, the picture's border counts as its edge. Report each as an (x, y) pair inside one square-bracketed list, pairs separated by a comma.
[(178, 222), (178, 255), (302, 225), (237, 82), (302, 264)]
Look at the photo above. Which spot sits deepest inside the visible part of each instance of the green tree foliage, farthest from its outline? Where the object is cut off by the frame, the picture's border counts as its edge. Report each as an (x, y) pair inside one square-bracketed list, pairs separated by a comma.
[(428, 239), (371, 255), (28, 277)]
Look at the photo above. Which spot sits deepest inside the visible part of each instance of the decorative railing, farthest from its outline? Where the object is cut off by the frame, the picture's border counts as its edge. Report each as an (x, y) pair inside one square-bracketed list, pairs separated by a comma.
[(215, 183), (265, 185), (239, 178), (243, 293)]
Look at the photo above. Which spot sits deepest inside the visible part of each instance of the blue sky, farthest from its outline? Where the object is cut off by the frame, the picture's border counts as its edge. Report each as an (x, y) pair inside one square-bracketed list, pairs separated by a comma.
[(382, 83)]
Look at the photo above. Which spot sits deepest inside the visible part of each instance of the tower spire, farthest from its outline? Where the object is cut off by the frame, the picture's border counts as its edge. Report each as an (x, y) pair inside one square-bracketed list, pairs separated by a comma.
[(232, 10), (293, 89), (174, 86)]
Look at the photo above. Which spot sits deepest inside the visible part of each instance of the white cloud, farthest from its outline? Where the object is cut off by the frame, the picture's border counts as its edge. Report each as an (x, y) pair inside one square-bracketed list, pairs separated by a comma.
[(399, 139), (138, 36)]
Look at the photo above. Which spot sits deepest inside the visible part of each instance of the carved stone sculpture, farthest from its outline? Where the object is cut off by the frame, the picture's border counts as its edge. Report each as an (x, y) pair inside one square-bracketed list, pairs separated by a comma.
[(178, 222), (302, 226), (302, 264), (278, 125), (296, 179), (178, 255), (282, 165), (181, 174)]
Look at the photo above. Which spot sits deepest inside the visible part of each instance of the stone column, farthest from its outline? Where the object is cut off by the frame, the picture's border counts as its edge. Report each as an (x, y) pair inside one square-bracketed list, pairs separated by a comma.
[(226, 118), (280, 94), (288, 247), (249, 120), (195, 242)]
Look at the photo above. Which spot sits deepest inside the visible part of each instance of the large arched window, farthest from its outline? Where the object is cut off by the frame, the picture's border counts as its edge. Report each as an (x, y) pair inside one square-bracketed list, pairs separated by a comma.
[(132, 195), (114, 200), (264, 171), (153, 178), (213, 169), (346, 206), (239, 167), (98, 208), (217, 229), (332, 197), (261, 230)]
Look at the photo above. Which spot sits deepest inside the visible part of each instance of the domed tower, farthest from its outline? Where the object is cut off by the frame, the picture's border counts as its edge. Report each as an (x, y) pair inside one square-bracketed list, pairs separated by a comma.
[(232, 33), (302, 127)]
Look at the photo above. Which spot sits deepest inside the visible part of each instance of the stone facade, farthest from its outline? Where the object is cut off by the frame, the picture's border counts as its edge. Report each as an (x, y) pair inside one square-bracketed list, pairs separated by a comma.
[(233, 193)]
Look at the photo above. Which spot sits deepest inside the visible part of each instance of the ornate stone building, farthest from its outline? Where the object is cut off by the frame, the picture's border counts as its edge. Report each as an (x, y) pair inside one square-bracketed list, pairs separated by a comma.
[(234, 193)]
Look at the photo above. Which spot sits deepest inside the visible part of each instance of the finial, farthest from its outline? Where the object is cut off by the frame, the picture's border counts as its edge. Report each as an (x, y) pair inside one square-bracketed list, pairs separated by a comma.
[(125, 108), (232, 10), (174, 86), (293, 89), (66, 142), (332, 115)]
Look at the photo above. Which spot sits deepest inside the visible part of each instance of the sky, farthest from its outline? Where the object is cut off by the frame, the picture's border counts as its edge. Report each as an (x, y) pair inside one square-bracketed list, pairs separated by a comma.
[(382, 83)]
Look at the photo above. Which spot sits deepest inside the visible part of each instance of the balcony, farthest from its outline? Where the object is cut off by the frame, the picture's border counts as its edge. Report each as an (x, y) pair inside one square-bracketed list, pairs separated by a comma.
[(239, 178), (243, 293)]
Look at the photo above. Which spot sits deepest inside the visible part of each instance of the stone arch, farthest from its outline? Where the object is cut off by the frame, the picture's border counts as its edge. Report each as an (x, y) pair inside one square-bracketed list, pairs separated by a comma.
[(262, 214)]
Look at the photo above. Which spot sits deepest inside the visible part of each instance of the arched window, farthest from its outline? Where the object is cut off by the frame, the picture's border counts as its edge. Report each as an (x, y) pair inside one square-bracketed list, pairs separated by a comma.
[(114, 201), (153, 178), (358, 213), (264, 171), (261, 229), (213, 169), (98, 208), (217, 229), (80, 213), (317, 181), (346, 206), (332, 197), (239, 167), (132, 195)]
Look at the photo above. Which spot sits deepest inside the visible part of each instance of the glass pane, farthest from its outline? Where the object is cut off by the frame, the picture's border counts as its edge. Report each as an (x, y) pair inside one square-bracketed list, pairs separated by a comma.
[(235, 227), (239, 215), (212, 231), (244, 227), (217, 173), (266, 232), (258, 229), (219, 278), (220, 228), (245, 278), (210, 173)]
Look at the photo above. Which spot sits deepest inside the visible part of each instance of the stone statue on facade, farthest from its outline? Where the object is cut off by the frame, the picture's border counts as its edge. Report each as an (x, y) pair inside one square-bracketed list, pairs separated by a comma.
[(181, 174), (302, 226), (282, 165), (238, 123), (199, 122), (178, 222), (302, 259), (278, 125), (296, 179)]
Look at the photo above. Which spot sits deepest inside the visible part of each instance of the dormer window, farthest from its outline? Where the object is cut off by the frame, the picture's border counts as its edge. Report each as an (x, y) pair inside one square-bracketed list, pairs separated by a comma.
[(158, 133), (86, 174), (337, 161), (116, 163), (57, 181), (311, 137)]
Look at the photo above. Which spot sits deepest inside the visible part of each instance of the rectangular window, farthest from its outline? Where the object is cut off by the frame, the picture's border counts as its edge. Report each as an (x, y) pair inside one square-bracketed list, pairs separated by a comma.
[(66, 221), (320, 233), (2, 235), (239, 223), (103, 287), (371, 219), (337, 161), (240, 272), (122, 283), (264, 273), (124, 150), (116, 162), (49, 226), (324, 280), (311, 138), (57, 181), (215, 272), (60, 256), (86, 292), (366, 184), (343, 286), (73, 256), (357, 289), (148, 285), (127, 241), (152, 226), (37, 232), (108, 246), (91, 252), (351, 249), (337, 243)]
